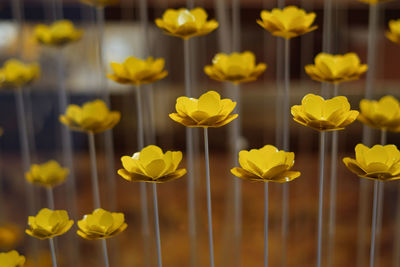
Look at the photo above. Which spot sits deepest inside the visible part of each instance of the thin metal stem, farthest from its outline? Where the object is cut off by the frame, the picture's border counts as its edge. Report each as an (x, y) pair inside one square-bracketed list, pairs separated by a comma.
[(157, 225), (95, 177), (374, 221), (53, 252), (50, 198), (321, 196), (327, 31), (266, 224), (105, 253), (396, 250)]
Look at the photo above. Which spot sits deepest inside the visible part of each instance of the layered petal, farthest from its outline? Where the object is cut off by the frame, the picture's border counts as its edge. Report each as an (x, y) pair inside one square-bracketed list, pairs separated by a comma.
[(16, 74), (59, 33), (48, 174)]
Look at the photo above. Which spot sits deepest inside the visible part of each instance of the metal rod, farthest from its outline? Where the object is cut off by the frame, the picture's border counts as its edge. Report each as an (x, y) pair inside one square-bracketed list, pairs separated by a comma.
[(95, 177), (266, 224), (53, 252), (50, 198), (321, 196), (157, 225), (105, 253), (374, 220)]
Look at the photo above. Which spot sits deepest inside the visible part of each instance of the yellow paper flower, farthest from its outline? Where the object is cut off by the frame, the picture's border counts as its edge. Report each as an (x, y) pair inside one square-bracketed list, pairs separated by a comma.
[(92, 117), (152, 165), (138, 71), (49, 223), (324, 115), (186, 23), (336, 68), (207, 111), (266, 164), (15, 73), (236, 68), (100, 3), (11, 259), (393, 34), (373, 2), (48, 174), (101, 224), (59, 33), (10, 236), (377, 163), (288, 22)]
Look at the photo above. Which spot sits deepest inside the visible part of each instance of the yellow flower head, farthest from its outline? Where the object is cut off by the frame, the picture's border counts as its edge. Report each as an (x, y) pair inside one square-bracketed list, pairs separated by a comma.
[(138, 71), (152, 165), (373, 2), (11, 259), (378, 163), (393, 34), (186, 23), (324, 115), (236, 68), (288, 22), (48, 174), (100, 3), (92, 117), (49, 223), (207, 111), (59, 33), (266, 164), (15, 73), (101, 224), (336, 68), (9, 236)]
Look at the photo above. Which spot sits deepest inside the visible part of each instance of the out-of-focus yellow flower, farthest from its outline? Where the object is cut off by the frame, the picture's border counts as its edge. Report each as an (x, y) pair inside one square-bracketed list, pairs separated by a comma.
[(336, 68), (378, 163), (207, 111), (15, 73), (324, 115), (59, 33), (11, 259), (288, 22), (100, 3), (101, 224), (373, 2), (138, 71), (266, 164), (393, 34), (186, 23), (49, 223), (10, 236), (152, 165), (236, 68), (92, 117), (48, 174)]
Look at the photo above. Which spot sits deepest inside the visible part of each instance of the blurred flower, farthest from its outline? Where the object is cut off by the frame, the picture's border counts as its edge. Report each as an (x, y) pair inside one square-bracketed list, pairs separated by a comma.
[(266, 164), (10, 236), (101, 224), (100, 3), (336, 68), (186, 23), (207, 111), (288, 22), (235, 68), (15, 73), (92, 117), (59, 33), (11, 259), (152, 165), (378, 163), (48, 174), (393, 34), (324, 115), (49, 223), (373, 2), (138, 71)]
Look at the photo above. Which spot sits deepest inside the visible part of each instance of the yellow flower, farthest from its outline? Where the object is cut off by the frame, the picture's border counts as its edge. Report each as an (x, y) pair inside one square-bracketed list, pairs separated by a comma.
[(11, 259), (92, 117), (324, 115), (266, 164), (152, 165), (100, 3), (186, 23), (235, 68), (336, 68), (49, 223), (48, 174), (207, 111), (373, 2), (288, 22), (15, 73), (137, 71), (393, 34), (378, 163), (101, 224), (59, 33), (9, 236)]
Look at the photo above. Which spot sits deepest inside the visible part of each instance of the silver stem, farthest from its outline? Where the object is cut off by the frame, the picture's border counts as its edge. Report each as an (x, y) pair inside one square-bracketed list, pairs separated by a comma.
[(266, 224), (157, 225), (321, 196), (374, 220), (50, 198), (95, 177), (105, 253), (53, 252)]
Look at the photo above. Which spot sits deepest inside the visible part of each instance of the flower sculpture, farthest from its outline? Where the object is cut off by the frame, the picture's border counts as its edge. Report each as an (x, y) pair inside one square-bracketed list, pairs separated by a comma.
[(101, 224), (393, 34), (324, 115), (236, 68), (137, 71), (152, 165), (48, 174), (288, 22), (100, 3), (92, 117), (59, 33), (15, 73), (49, 223), (11, 259), (186, 23), (336, 68)]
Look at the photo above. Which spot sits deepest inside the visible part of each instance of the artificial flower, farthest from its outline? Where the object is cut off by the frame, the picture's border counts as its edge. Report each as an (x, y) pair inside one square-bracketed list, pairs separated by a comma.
[(100, 3), (235, 67), (336, 68), (324, 115), (266, 164), (59, 33), (393, 34), (10, 236), (15, 73), (288, 22), (48, 174), (138, 71), (92, 117), (152, 165), (186, 23), (101, 224), (378, 163), (49, 223), (207, 111), (11, 259), (373, 2)]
